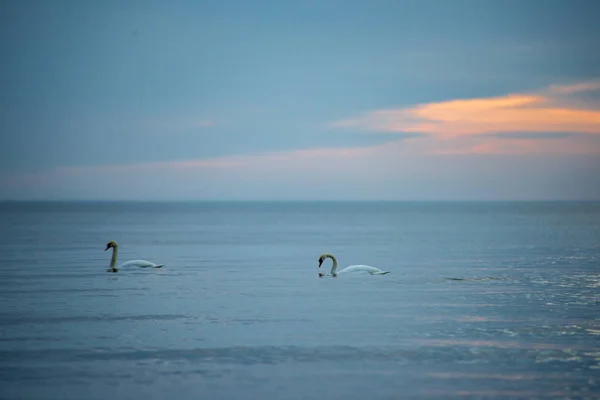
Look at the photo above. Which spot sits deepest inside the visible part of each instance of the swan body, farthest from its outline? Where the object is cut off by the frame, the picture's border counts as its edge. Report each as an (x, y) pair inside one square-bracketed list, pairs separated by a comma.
[(351, 269), (139, 264), (132, 263)]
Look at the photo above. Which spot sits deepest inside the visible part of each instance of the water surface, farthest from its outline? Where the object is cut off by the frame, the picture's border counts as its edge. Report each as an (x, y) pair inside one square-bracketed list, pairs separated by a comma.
[(485, 300)]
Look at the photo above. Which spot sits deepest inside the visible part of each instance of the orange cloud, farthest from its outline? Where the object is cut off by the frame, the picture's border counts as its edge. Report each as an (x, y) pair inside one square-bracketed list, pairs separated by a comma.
[(548, 111)]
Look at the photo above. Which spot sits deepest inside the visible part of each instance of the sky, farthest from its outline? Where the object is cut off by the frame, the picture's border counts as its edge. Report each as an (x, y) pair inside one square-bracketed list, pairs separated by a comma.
[(311, 100)]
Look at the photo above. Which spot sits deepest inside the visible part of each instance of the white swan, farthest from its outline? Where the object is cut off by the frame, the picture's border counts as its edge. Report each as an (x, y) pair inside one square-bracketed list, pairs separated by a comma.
[(353, 268), (132, 263)]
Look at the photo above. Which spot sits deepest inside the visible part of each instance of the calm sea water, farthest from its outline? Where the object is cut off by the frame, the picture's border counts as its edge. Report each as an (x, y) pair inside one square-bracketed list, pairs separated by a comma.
[(238, 312)]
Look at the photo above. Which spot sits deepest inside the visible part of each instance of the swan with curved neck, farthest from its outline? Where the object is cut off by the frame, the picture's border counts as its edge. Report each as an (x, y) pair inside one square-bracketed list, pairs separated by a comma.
[(353, 268), (133, 263)]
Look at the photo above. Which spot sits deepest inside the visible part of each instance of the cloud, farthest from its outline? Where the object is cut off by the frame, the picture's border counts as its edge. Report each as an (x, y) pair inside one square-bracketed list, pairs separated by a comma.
[(534, 135), (203, 124), (384, 172), (445, 162), (575, 88), (290, 159), (174, 125), (519, 145), (549, 110), (306, 159)]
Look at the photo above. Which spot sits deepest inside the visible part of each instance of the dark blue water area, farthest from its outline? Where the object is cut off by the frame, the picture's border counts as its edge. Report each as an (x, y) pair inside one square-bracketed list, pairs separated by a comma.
[(484, 300)]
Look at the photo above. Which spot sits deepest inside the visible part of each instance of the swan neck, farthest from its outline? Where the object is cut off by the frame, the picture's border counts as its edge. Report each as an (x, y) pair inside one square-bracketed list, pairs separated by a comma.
[(113, 260), (335, 264)]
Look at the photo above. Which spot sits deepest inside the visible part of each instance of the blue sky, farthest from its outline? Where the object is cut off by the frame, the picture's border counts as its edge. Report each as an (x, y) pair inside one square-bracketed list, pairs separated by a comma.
[(356, 100)]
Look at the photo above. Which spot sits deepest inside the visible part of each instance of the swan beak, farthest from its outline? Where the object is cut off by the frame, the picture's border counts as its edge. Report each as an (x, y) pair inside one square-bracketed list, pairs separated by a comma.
[(320, 262), (107, 247)]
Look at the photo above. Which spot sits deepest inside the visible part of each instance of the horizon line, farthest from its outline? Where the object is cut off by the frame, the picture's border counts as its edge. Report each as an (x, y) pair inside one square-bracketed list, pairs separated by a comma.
[(300, 201)]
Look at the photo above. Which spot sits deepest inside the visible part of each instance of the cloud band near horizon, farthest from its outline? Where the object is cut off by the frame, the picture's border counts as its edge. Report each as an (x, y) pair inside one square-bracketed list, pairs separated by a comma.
[(519, 124)]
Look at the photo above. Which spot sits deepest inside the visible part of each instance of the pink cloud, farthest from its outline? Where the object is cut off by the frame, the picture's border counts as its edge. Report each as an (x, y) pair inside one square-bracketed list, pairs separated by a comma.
[(418, 169), (316, 158), (496, 145)]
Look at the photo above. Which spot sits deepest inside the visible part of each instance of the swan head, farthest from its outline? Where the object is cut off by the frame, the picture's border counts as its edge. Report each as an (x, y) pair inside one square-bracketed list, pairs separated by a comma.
[(322, 258), (110, 244)]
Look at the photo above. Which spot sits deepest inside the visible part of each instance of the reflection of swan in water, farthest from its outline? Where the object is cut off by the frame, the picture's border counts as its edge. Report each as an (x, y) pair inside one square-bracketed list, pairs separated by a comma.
[(132, 263), (353, 268)]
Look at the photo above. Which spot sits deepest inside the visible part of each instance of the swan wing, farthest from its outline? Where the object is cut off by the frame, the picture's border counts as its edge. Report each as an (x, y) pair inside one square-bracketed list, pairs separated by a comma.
[(363, 269), (139, 264)]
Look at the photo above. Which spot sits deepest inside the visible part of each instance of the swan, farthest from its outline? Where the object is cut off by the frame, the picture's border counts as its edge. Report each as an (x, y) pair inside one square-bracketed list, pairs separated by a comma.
[(352, 268), (132, 263)]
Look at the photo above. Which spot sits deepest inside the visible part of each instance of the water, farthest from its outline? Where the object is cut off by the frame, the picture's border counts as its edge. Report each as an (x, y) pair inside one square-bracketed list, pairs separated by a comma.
[(485, 300)]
